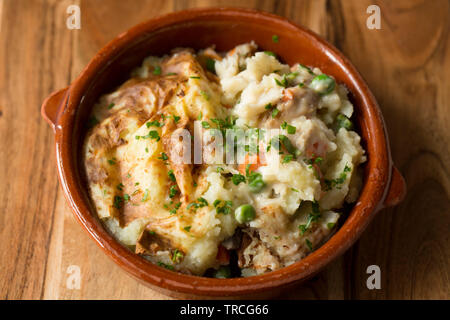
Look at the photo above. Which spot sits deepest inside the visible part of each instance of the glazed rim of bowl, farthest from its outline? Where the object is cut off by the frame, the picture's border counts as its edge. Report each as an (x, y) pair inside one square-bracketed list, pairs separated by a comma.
[(377, 174)]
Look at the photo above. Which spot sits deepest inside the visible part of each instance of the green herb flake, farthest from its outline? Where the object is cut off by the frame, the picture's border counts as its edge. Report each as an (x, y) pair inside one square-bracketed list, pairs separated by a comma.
[(223, 207), (288, 158), (118, 201), (237, 178), (270, 53), (157, 70), (167, 266), (171, 175), (177, 256), (154, 124), (187, 228), (211, 65), (173, 191), (275, 38), (275, 112), (206, 125), (111, 105), (309, 244), (291, 129), (163, 156)]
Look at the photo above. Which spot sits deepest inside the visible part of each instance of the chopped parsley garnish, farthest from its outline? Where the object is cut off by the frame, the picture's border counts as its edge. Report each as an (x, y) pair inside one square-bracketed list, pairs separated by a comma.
[(151, 135), (176, 118), (275, 38), (194, 77), (211, 65), (270, 53), (283, 83), (343, 122), (163, 156), (167, 266), (291, 129), (126, 197), (201, 202), (118, 202), (291, 75), (237, 178), (188, 228), (223, 207), (309, 244), (171, 175), (154, 124), (307, 69), (112, 161), (312, 217), (177, 255), (330, 225), (173, 191), (111, 105), (206, 125), (282, 140), (120, 186), (275, 112), (157, 70), (268, 106), (287, 158), (175, 208), (337, 183), (171, 74)]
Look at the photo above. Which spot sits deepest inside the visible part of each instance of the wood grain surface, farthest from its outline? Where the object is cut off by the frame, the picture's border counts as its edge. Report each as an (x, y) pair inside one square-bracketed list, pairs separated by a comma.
[(406, 64)]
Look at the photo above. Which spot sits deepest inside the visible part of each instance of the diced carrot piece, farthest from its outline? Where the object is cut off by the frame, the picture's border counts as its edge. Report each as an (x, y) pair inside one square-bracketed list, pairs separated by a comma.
[(253, 160), (288, 95)]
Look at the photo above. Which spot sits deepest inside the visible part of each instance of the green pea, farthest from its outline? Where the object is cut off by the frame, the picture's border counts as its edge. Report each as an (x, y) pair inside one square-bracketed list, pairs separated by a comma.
[(322, 84), (223, 272), (245, 213), (343, 122)]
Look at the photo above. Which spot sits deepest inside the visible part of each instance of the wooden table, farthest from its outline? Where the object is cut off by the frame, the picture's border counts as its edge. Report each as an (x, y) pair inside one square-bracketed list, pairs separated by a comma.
[(406, 63)]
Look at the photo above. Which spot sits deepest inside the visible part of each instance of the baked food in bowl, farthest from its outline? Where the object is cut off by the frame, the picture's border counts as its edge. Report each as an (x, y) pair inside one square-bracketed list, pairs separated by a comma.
[(224, 28)]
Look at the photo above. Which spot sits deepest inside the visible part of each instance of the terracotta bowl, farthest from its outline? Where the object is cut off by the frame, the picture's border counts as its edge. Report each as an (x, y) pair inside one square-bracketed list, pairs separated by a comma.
[(67, 111)]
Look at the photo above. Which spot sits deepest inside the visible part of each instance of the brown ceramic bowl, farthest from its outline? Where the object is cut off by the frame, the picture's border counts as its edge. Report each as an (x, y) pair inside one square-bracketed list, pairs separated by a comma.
[(67, 111)]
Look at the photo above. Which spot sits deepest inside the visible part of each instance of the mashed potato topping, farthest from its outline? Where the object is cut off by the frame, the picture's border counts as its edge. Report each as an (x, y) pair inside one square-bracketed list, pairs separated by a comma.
[(265, 208)]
